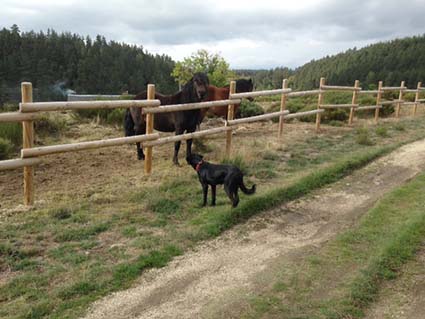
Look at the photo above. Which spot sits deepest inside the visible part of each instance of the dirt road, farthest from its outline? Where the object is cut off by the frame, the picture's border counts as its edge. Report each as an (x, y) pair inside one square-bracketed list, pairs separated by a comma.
[(205, 282)]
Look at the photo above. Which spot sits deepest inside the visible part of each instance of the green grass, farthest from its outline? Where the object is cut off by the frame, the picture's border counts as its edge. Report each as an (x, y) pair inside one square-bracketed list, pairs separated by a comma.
[(355, 264), (76, 242)]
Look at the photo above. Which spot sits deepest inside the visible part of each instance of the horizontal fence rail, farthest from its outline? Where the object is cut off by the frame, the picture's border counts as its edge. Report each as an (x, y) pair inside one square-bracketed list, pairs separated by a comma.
[(74, 147), (188, 106), (368, 107), (257, 118), (18, 163), (259, 93), (302, 114), (394, 88), (85, 105), (303, 93), (335, 106), (17, 117), (187, 136), (339, 88)]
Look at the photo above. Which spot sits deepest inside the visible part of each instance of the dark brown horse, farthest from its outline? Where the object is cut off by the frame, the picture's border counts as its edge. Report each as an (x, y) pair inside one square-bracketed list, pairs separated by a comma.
[(216, 93), (196, 90)]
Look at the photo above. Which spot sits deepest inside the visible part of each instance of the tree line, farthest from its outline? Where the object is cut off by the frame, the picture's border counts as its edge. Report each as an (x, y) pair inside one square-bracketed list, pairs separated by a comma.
[(56, 62), (391, 62)]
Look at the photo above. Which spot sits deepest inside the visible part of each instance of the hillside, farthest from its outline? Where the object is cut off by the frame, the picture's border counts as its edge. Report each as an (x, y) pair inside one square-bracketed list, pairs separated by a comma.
[(54, 62), (391, 62)]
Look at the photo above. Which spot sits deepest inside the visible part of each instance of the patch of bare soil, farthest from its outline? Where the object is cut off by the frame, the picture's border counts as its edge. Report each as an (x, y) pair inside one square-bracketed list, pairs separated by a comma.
[(403, 298), (208, 282)]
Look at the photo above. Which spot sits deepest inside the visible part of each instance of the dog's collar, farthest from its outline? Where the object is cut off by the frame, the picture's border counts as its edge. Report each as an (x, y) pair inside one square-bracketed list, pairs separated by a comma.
[(198, 166)]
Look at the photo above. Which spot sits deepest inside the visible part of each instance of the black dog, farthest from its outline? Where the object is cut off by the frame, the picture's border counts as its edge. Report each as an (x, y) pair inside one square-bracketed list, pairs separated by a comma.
[(213, 174)]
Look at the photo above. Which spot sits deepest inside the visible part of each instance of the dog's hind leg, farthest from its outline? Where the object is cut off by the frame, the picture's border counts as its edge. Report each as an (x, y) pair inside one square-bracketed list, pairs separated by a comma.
[(205, 191), (229, 193), (236, 198), (213, 191)]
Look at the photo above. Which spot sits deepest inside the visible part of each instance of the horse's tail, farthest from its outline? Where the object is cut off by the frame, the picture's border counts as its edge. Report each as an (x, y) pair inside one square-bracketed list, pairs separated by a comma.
[(246, 190), (129, 124)]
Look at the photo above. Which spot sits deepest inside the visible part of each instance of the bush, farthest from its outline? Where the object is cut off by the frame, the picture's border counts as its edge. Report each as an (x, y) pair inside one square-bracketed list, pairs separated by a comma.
[(248, 109), (108, 116), (362, 136), (47, 125), (382, 131), (11, 132), (6, 148)]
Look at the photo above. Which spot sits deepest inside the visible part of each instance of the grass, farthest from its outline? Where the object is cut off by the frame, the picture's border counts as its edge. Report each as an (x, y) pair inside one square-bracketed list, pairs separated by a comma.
[(80, 248), (355, 264)]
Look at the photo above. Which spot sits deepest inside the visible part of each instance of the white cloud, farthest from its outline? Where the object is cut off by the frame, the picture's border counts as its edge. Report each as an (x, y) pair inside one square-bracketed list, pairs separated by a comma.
[(249, 34)]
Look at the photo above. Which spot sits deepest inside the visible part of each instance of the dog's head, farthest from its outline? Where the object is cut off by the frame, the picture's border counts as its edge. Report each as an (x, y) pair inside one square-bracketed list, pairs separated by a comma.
[(194, 159)]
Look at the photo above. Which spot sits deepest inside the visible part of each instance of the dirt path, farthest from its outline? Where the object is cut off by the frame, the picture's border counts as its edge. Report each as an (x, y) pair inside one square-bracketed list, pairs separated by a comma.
[(201, 283)]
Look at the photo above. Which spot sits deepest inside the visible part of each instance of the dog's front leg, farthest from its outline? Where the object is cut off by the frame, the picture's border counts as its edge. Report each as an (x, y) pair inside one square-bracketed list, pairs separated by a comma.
[(205, 190), (213, 189)]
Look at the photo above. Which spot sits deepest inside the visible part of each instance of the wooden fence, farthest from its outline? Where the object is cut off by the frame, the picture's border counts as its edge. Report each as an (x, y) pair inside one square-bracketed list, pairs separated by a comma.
[(30, 112)]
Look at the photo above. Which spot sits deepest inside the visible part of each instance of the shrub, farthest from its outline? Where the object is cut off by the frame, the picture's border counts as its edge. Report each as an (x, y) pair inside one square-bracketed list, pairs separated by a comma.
[(362, 136), (248, 109), (382, 131), (108, 116), (48, 125), (11, 132), (5, 148)]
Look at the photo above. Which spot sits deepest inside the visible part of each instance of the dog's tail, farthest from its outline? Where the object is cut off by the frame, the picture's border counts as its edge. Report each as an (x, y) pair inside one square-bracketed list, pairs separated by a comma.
[(246, 190)]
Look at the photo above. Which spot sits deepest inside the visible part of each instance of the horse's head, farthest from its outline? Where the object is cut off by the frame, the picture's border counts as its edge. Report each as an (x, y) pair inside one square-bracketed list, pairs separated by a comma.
[(244, 85), (200, 84)]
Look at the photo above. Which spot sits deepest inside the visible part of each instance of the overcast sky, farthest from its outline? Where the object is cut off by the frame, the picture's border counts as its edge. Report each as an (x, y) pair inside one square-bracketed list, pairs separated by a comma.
[(248, 34)]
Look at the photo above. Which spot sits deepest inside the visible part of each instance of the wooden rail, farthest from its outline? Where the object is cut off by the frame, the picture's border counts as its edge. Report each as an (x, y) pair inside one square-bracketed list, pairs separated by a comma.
[(336, 106), (188, 106), (18, 117), (302, 114), (258, 93), (368, 107), (187, 136), (82, 146), (257, 118), (19, 163), (340, 88), (84, 105)]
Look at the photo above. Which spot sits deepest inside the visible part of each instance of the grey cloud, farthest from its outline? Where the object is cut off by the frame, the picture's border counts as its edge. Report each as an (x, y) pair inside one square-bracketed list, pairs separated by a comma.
[(334, 23)]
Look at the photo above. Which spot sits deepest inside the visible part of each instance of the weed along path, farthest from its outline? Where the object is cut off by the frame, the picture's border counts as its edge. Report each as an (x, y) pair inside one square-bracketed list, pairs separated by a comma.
[(217, 278)]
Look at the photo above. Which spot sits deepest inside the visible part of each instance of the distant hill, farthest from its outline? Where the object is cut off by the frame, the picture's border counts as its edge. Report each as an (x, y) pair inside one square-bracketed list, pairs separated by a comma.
[(391, 62), (56, 62)]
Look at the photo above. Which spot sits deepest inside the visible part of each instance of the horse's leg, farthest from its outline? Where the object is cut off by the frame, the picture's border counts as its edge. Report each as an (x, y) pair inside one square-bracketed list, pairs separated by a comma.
[(179, 131), (189, 142), (140, 130)]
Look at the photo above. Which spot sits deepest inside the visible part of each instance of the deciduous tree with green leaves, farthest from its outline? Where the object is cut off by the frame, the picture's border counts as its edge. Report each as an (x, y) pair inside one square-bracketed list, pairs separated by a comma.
[(213, 64)]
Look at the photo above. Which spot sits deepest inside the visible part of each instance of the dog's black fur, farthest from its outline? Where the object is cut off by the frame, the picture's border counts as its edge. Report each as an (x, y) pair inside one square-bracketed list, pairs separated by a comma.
[(214, 174)]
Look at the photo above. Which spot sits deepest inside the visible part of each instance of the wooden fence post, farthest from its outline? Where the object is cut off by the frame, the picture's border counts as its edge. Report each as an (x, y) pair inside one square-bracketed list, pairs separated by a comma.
[(353, 101), (378, 101), (282, 107), (400, 97), (417, 98), (319, 102), (230, 115), (28, 142), (149, 130)]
